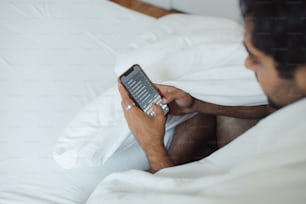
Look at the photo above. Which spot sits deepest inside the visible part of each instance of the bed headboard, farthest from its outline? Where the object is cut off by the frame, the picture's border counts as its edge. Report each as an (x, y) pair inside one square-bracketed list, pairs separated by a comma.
[(222, 8)]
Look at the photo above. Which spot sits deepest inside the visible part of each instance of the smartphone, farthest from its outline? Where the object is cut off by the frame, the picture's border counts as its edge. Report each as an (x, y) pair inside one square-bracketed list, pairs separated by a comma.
[(142, 90)]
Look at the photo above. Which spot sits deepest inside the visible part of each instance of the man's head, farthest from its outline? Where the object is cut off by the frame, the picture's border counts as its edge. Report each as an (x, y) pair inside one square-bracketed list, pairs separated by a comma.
[(276, 41)]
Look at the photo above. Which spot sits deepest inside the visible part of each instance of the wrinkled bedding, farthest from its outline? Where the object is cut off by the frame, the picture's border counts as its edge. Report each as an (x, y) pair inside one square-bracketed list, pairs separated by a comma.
[(55, 57)]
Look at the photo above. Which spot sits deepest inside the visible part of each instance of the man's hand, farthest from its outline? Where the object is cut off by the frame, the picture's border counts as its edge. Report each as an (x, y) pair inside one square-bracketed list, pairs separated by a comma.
[(179, 101), (148, 130)]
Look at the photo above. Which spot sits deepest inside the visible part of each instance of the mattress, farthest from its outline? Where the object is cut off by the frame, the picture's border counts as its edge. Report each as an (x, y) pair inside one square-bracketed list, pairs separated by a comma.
[(55, 57)]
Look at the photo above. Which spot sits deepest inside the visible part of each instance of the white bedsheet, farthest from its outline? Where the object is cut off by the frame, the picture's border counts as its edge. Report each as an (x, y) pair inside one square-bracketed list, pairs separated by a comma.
[(266, 164), (55, 57)]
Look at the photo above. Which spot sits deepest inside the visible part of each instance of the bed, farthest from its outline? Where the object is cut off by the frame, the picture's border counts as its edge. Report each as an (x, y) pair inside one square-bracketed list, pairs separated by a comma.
[(55, 57), (63, 138), (59, 62)]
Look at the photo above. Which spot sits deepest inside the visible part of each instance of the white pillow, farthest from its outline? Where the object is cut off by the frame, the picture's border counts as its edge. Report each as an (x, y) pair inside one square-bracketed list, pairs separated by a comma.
[(190, 52)]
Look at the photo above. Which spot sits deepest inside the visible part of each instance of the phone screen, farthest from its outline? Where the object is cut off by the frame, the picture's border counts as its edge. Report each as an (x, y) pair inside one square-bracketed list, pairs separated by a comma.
[(142, 90)]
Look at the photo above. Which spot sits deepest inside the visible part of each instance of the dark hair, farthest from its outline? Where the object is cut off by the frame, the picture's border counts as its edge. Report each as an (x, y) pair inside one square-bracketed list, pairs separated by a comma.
[(279, 30)]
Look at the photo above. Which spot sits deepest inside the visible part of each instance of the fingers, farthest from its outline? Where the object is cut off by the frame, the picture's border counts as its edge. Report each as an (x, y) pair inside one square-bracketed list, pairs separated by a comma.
[(163, 89), (126, 100), (128, 104), (124, 94), (168, 92), (173, 95), (157, 110)]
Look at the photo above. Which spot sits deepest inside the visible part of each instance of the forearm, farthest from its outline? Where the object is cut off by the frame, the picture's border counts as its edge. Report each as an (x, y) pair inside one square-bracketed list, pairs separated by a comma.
[(158, 157), (244, 112)]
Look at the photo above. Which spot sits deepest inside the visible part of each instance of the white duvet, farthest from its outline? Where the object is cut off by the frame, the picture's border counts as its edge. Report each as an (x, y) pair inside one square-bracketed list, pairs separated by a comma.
[(55, 57), (267, 164)]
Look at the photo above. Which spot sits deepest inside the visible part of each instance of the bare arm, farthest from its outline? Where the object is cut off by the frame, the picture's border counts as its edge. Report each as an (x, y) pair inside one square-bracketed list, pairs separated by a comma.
[(149, 131), (158, 157), (244, 112), (181, 103)]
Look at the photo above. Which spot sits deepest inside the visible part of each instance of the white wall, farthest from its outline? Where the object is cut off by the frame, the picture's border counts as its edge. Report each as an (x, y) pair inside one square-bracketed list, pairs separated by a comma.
[(222, 8)]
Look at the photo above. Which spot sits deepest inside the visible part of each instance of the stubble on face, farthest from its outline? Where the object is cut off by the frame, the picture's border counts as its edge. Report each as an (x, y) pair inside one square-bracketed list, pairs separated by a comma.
[(279, 91)]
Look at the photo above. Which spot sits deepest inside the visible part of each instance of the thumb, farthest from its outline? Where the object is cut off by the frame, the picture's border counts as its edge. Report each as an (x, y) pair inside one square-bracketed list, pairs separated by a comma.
[(157, 110)]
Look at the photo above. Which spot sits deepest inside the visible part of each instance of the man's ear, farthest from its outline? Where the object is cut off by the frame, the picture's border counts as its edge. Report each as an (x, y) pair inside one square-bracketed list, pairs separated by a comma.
[(300, 76)]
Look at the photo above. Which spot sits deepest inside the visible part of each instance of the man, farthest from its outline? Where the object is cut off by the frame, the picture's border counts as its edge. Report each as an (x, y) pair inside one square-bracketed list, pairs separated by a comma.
[(266, 164), (275, 39)]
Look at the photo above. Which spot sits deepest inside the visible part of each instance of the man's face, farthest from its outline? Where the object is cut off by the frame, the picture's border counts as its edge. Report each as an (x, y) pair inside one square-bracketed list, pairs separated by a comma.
[(280, 92)]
